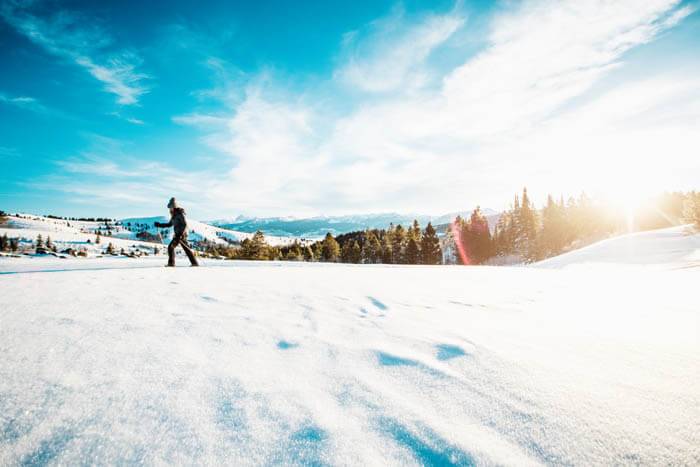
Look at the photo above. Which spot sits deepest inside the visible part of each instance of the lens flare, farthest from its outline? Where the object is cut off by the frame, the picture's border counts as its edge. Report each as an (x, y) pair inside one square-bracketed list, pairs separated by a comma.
[(459, 243)]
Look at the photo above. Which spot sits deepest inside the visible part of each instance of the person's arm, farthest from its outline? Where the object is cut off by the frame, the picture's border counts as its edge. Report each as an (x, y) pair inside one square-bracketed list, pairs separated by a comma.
[(164, 225)]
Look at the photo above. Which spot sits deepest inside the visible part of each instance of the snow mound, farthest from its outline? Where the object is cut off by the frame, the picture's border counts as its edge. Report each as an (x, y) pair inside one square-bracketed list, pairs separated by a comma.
[(259, 363), (672, 247)]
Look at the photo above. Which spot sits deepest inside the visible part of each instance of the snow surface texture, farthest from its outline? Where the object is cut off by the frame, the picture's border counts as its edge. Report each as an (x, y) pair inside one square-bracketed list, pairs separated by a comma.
[(311, 364)]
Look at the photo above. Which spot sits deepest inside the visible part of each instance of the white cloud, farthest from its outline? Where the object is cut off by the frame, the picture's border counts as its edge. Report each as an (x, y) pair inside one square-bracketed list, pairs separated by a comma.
[(80, 41), (516, 113)]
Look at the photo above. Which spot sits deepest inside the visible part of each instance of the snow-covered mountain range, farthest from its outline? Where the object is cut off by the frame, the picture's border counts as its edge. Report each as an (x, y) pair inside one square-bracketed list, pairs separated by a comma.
[(316, 227)]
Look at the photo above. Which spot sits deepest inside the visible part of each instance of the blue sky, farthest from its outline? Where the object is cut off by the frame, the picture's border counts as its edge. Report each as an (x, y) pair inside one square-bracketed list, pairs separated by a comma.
[(306, 108)]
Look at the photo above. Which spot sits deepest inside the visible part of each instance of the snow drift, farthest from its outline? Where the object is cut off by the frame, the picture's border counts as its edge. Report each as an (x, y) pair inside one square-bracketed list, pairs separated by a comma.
[(672, 247)]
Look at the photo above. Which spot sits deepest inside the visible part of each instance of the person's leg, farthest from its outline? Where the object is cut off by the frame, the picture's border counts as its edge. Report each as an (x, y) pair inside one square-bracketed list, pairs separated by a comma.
[(188, 251), (171, 250)]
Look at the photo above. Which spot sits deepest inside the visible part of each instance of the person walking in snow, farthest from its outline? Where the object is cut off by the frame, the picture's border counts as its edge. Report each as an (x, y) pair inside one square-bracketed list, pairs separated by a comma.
[(179, 225)]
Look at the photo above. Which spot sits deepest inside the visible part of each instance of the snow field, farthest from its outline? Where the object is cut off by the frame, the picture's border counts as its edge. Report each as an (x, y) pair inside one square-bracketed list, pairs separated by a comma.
[(310, 364)]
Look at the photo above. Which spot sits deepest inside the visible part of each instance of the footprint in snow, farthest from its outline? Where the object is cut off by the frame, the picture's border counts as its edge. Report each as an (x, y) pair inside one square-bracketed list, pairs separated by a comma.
[(284, 345), (206, 298), (448, 352), (386, 359), (378, 304)]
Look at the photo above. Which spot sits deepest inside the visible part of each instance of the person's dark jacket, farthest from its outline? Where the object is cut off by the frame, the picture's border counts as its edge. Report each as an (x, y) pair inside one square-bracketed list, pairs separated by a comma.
[(177, 222)]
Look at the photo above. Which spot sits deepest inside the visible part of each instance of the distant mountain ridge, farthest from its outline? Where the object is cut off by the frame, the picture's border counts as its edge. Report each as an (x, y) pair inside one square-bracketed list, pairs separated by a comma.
[(316, 227)]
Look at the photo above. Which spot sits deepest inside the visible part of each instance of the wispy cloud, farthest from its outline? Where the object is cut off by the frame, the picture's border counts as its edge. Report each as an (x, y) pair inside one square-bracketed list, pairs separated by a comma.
[(24, 102), (106, 173), (6, 152), (200, 120), (79, 40), (126, 118), (391, 53)]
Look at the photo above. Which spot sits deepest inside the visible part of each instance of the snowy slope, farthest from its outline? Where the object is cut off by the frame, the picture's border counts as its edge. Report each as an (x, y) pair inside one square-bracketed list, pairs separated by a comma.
[(68, 234), (75, 234), (200, 231), (268, 363), (672, 247)]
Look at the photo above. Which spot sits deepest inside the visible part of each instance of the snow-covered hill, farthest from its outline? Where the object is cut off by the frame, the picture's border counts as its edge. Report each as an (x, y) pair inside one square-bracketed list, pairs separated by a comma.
[(672, 247), (124, 233), (196, 230), (76, 235), (118, 361)]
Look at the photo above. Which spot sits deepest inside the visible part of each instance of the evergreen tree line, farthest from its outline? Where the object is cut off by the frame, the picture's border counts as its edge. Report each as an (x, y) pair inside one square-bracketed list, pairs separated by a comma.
[(9, 244), (691, 208), (395, 245), (106, 220), (529, 234)]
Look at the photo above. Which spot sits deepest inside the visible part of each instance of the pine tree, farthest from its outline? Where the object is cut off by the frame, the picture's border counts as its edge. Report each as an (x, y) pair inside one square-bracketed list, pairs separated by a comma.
[(412, 255), (273, 253), (415, 231), (430, 246), (330, 249), (258, 246), (308, 253), (398, 243), (254, 248), (295, 253), (97, 238), (527, 229), (691, 208), (355, 253), (110, 248), (318, 251), (14, 244), (552, 238), (39, 241), (387, 253), (4, 243), (346, 252), (476, 238), (372, 249)]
